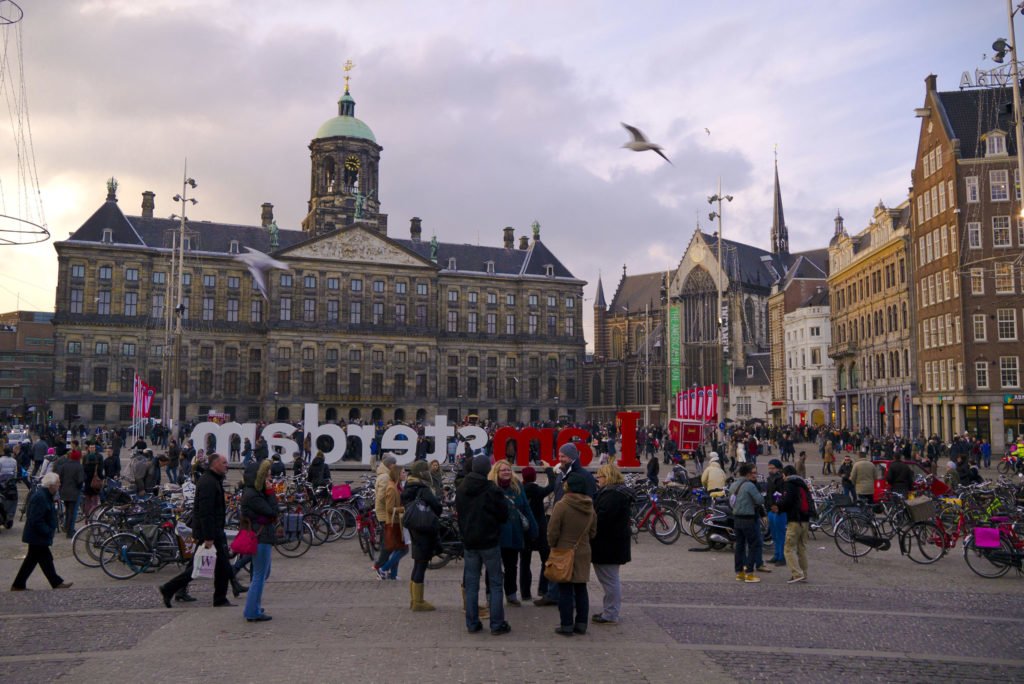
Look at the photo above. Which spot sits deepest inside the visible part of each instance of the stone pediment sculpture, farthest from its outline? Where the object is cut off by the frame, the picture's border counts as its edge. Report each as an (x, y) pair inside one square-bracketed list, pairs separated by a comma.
[(355, 244)]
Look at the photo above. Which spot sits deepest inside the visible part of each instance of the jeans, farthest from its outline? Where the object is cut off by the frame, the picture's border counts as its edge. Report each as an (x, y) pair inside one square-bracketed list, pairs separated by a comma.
[(608, 576), (796, 548), (70, 515), (260, 574), (573, 595), (473, 562), (777, 522), (510, 561), (38, 554), (748, 538), (172, 474), (390, 566)]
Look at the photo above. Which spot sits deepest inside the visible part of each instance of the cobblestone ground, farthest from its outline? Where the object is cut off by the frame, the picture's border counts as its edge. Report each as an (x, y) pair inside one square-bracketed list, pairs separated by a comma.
[(685, 619)]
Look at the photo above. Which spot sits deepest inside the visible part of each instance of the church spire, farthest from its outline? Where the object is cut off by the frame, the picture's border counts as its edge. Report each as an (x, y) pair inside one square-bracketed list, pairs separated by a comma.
[(780, 236), (599, 297)]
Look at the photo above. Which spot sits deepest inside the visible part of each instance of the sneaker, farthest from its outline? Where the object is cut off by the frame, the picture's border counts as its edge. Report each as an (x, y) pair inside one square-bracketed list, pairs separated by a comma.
[(544, 601), (796, 579), (601, 620), (741, 577), (513, 600), (64, 585), (503, 628), (779, 562), (763, 568), (377, 571), (478, 627), (751, 578)]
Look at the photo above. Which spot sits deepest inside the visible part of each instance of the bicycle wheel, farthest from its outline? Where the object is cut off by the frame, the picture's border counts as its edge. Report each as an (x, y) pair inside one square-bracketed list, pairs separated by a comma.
[(336, 522), (364, 541), (698, 527), (664, 525), (348, 514), (923, 542), (296, 543), (86, 543), (847, 530), (319, 527), (989, 563), (1003, 468), (124, 556)]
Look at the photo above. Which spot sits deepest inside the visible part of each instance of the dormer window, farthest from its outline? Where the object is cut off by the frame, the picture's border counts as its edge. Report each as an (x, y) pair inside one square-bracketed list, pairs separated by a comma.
[(549, 271), (490, 267), (995, 144), (233, 248), (108, 235), (750, 371), (451, 264)]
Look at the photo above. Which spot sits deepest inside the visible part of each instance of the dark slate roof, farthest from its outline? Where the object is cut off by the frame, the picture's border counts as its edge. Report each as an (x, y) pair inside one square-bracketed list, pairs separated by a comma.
[(819, 298), (972, 113), (762, 371), (635, 291), (109, 215), (599, 297), (208, 236), (752, 271)]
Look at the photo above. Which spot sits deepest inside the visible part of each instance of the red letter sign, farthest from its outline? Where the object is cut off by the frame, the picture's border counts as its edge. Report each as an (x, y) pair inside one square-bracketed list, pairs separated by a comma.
[(627, 429)]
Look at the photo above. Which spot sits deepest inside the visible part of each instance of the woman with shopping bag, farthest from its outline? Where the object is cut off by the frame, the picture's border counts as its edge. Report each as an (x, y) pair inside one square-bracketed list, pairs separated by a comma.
[(258, 513), (394, 534)]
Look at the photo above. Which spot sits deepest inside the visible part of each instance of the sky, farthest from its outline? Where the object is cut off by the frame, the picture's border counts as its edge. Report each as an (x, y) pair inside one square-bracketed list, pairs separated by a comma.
[(491, 114)]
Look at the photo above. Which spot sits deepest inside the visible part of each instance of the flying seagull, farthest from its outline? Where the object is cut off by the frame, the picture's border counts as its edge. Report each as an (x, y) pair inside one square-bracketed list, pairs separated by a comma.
[(640, 144), (707, 130), (259, 264)]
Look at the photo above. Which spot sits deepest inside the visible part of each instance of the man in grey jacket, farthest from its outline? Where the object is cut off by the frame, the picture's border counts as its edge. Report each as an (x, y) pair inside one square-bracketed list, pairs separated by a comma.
[(745, 498)]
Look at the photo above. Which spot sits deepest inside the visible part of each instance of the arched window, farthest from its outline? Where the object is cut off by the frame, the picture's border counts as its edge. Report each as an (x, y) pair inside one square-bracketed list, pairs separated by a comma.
[(853, 375), (904, 315), (330, 174), (617, 336), (842, 377), (639, 337)]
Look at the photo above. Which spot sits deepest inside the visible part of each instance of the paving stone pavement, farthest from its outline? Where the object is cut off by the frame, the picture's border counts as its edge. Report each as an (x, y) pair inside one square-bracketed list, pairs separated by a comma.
[(685, 619)]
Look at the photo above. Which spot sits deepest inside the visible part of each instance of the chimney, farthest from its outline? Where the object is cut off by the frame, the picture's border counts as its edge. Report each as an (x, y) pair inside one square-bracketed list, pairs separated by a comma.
[(510, 237), (148, 205), (267, 215), (929, 82), (415, 228), (524, 242)]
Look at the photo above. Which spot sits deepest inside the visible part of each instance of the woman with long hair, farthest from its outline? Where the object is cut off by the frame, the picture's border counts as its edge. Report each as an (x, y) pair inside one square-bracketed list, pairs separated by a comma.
[(520, 526)]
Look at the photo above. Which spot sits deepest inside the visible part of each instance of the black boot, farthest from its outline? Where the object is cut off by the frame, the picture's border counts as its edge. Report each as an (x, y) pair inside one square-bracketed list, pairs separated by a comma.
[(183, 596), (237, 588), (580, 628)]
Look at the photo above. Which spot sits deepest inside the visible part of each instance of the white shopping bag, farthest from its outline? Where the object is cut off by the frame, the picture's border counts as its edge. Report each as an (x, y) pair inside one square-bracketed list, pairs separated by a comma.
[(203, 562), (406, 536)]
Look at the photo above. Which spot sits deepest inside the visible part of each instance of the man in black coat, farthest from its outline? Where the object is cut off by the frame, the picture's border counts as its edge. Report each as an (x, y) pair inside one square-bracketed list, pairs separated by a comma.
[(208, 514), (40, 526), (900, 476), (482, 510)]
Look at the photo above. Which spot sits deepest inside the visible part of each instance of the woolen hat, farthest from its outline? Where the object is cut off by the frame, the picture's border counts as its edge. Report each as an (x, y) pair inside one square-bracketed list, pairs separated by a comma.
[(576, 483), (570, 450), (529, 474), (481, 465), (775, 462), (420, 470)]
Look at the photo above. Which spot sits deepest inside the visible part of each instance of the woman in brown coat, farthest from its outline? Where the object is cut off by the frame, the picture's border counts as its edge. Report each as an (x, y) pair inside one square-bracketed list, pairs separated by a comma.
[(573, 524)]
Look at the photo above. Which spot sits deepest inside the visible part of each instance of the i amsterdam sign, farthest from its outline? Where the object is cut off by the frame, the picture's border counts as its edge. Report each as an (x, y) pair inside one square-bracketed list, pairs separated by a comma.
[(400, 440)]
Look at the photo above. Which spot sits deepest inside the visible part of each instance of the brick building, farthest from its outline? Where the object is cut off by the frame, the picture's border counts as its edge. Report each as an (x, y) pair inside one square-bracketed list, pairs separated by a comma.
[(26, 365)]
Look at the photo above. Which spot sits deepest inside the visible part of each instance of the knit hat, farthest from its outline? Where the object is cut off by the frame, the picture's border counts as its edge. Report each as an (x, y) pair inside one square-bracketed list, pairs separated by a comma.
[(51, 450), (576, 483), (420, 470), (570, 450), (529, 474), (481, 465), (776, 463), (713, 458)]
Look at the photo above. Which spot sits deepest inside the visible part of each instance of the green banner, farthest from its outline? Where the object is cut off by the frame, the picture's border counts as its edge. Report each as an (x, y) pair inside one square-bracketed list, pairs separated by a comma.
[(674, 338)]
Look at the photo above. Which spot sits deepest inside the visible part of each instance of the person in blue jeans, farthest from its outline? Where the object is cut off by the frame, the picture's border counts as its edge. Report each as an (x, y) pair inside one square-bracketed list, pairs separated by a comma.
[(746, 523), (774, 489), (390, 506), (482, 510), (986, 453), (259, 510)]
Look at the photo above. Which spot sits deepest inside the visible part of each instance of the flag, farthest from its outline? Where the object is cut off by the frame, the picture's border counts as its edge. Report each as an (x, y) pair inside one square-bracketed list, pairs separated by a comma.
[(136, 397), (700, 404), (712, 403)]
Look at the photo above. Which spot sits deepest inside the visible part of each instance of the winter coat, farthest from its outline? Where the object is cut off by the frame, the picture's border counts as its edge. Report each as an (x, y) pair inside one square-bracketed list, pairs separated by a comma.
[(41, 518), (423, 545), (319, 473), (900, 477), (801, 466), (790, 502), (92, 464), (748, 498), (575, 467), (611, 545), (863, 477), (257, 506), (380, 486), (713, 477), (482, 509), (512, 534), (72, 477), (208, 510), (574, 522), (536, 494), (391, 505), (112, 465)]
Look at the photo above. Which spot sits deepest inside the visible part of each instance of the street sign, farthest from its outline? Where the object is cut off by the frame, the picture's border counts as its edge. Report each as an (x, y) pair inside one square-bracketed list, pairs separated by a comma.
[(721, 426)]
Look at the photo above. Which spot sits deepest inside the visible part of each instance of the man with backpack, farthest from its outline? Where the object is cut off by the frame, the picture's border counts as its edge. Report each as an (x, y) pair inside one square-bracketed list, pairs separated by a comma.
[(797, 505)]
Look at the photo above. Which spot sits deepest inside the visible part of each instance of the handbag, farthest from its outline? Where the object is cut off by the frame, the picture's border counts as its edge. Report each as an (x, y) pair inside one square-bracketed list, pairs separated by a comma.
[(559, 565), (246, 542), (393, 538), (420, 519)]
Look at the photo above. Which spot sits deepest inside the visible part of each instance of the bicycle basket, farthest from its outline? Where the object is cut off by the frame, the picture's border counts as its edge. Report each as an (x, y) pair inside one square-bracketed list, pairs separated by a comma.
[(149, 533), (986, 537), (292, 523), (922, 508), (840, 500)]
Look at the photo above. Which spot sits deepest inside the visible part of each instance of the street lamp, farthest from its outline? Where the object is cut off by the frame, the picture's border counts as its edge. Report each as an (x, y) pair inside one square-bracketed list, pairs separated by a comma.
[(275, 405), (179, 307), (717, 199), (1001, 46)]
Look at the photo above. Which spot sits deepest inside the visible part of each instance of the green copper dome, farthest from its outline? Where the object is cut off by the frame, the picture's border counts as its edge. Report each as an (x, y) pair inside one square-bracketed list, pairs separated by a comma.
[(345, 124)]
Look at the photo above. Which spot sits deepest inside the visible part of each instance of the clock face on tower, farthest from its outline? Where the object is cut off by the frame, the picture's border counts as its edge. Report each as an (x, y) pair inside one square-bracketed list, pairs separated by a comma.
[(352, 171)]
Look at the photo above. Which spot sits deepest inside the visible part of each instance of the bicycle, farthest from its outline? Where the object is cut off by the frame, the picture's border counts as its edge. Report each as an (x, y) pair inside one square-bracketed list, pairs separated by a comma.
[(991, 555), (147, 549), (662, 523)]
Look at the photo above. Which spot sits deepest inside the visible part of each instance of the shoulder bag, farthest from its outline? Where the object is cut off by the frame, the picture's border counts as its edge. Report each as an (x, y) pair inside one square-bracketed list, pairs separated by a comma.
[(559, 565)]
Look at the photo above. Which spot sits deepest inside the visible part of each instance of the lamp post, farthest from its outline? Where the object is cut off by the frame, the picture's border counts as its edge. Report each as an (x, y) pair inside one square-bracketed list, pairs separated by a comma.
[(1001, 46), (179, 307), (717, 198), (274, 417)]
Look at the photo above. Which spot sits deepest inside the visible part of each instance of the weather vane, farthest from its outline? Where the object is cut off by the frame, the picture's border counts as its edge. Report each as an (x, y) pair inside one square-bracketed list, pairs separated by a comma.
[(348, 66)]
